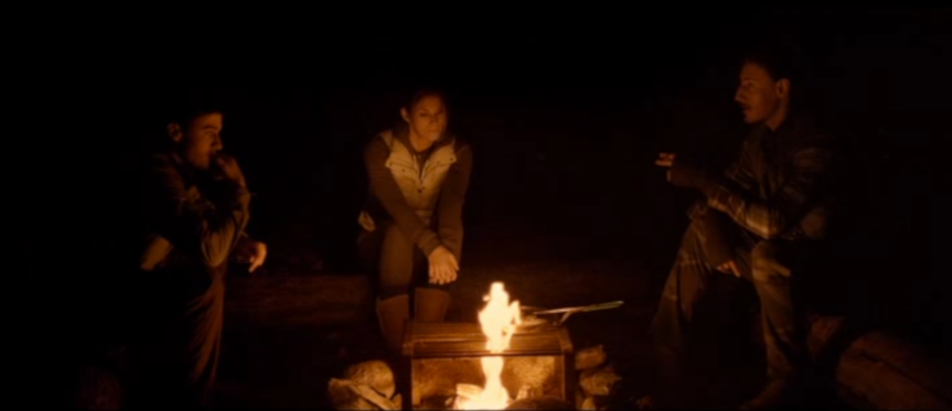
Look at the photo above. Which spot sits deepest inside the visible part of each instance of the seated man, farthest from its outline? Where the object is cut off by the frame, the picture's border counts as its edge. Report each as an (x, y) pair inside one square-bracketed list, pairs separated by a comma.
[(754, 222), (195, 209)]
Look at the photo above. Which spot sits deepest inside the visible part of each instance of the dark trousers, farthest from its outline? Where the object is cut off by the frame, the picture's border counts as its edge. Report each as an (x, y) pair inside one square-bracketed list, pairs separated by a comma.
[(770, 266), (400, 264), (178, 344)]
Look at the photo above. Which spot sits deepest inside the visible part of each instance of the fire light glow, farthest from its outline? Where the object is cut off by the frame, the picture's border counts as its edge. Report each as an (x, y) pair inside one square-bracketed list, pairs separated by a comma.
[(499, 320)]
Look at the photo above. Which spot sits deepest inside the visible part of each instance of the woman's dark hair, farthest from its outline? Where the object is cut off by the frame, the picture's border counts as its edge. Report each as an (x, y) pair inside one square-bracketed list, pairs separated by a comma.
[(415, 98), (420, 94)]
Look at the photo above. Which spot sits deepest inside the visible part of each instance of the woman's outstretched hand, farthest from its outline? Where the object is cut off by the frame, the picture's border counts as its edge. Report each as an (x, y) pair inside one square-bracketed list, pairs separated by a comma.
[(443, 266)]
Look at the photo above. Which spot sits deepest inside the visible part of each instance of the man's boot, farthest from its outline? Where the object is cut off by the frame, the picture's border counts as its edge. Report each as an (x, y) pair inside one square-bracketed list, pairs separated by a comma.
[(393, 314), (431, 305)]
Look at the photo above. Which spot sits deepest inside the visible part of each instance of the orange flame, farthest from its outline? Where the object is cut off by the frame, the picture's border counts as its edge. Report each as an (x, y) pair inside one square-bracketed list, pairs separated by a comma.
[(499, 320)]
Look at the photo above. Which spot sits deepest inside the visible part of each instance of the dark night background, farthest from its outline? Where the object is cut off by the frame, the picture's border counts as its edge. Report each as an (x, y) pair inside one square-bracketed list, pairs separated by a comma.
[(566, 117)]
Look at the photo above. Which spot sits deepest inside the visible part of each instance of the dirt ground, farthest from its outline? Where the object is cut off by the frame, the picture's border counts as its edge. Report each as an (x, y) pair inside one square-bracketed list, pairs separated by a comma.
[(300, 322)]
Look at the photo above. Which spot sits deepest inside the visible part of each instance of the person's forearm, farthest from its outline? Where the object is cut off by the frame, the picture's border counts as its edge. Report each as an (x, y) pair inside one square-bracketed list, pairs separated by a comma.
[(771, 219), (194, 225), (452, 199), (218, 242), (220, 231)]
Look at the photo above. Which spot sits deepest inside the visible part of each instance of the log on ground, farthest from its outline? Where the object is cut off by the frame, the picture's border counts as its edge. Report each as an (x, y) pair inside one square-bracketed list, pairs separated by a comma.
[(293, 301), (884, 371)]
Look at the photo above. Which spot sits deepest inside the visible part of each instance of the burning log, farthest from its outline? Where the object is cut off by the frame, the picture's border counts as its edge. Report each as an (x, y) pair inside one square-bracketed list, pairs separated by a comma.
[(444, 377), (466, 393), (441, 377), (540, 403)]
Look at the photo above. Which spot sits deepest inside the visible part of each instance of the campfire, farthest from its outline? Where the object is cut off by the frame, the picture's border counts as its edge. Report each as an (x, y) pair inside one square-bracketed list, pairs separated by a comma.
[(491, 364), (511, 359), (499, 321)]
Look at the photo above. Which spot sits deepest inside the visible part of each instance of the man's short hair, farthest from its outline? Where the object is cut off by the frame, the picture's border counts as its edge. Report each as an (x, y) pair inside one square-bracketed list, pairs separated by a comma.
[(191, 106), (180, 107), (781, 62)]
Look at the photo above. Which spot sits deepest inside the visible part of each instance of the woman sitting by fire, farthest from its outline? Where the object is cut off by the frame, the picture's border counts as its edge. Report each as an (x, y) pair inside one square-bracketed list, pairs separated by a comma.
[(419, 174)]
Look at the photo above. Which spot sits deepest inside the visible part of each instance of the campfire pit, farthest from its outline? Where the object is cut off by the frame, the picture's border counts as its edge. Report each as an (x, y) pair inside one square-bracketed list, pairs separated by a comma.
[(445, 363)]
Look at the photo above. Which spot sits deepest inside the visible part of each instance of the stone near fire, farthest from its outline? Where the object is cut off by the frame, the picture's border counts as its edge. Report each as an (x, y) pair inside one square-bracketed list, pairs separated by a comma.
[(342, 397), (365, 386), (346, 395), (599, 381), (540, 403), (588, 404), (589, 358), (375, 374)]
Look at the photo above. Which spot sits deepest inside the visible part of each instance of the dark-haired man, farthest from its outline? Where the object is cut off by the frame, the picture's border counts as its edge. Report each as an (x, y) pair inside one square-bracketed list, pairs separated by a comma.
[(195, 210), (756, 221)]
